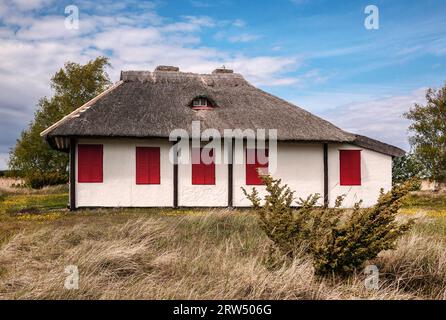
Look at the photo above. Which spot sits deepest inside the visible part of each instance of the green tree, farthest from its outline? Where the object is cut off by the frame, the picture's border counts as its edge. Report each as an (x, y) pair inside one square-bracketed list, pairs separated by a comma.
[(73, 85), (406, 168), (428, 129)]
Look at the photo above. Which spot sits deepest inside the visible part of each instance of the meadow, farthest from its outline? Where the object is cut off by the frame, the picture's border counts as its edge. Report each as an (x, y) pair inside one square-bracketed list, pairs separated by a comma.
[(192, 254)]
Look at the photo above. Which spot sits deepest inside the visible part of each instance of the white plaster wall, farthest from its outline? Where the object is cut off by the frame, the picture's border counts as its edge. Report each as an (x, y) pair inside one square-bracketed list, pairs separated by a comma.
[(190, 195), (300, 165), (119, 188), (376, 173)]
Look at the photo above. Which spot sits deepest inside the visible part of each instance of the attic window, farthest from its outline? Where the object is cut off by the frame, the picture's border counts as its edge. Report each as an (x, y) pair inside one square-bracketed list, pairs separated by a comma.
[(201, 103)]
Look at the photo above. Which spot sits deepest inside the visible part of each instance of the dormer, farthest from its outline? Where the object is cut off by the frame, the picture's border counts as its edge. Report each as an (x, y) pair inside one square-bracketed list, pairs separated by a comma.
[(201, 103)]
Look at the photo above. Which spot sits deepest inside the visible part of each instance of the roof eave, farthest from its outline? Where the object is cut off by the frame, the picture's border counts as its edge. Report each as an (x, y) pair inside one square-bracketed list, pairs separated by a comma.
[(79, 110)]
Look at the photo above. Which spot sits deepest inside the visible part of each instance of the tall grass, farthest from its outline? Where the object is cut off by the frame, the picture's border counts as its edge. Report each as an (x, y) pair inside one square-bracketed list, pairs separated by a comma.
[(215, 255)]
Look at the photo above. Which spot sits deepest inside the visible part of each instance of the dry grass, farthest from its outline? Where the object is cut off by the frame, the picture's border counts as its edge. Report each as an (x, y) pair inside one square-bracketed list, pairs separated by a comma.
[(418, 267), (199, 254), (9, 186), (9, 183), (213, 255)]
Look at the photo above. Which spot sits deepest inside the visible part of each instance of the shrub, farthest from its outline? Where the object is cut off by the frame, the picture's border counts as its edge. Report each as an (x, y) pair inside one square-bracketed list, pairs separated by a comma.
[(291, 230), (363, 235), (276, 216), (336, 245), (40, 180)]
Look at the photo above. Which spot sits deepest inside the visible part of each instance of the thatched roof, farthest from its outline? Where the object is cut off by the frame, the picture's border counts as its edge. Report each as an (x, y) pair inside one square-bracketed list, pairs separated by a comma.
[(372, 144), (152, 104)]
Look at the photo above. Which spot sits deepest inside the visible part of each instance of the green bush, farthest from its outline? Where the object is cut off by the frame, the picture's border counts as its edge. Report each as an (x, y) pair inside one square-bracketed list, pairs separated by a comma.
[(276, 215), (338, 243), (40, 180), (363, 235), (291, 230)]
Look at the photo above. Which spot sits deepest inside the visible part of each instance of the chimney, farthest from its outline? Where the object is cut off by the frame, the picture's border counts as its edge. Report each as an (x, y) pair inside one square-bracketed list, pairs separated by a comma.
[(167, 68), (222, 70)]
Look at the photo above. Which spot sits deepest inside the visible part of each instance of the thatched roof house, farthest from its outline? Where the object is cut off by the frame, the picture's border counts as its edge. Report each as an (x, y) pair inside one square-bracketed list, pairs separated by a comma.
[(148, 105), (152, 104)]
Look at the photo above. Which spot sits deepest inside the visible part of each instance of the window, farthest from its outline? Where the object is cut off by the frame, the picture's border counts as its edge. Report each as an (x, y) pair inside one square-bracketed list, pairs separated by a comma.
[(256, 165), (201, 103), (89, 167), (203, 166), (147, 165), (350, 167)]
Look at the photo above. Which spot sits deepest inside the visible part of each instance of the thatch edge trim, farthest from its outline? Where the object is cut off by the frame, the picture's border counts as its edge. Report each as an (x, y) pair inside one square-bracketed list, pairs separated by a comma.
[(378, 146), (81, 109)]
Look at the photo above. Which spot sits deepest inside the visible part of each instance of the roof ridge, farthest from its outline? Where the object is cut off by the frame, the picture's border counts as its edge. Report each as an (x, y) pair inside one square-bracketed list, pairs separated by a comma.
[(144, 75)]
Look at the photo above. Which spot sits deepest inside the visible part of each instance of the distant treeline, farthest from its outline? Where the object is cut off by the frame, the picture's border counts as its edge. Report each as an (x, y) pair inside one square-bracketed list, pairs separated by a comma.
[(7, 173)]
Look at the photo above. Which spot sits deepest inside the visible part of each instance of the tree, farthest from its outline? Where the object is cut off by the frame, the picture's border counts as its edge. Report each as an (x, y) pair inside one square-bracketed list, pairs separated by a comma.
[(428, 129), (405, 168), (73, 85)]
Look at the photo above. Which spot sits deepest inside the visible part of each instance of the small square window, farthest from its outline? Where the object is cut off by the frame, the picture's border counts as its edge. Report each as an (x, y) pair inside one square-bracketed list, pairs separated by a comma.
[(201, 102)]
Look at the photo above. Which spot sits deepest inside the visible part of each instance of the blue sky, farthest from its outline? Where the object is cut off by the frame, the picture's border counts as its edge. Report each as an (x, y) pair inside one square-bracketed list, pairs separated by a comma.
[(315, 53)]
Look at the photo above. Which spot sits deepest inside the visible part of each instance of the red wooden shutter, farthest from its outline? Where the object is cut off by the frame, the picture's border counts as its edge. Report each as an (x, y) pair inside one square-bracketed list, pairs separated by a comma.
[(202, 173), (252, 169), (89, 158), (147, 165), (209, 169), (350, 167), (197, 169)]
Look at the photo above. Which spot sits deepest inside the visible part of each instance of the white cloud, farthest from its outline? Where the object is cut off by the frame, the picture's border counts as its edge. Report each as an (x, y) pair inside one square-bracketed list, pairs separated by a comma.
[(30, 4), (239, 23), (313, 76), (438, 47), (33, 48), (265, 70), (126, 37), (190, 24), (203, 21), (53, 27), (4, 160), (244, 37), (379, 118)]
